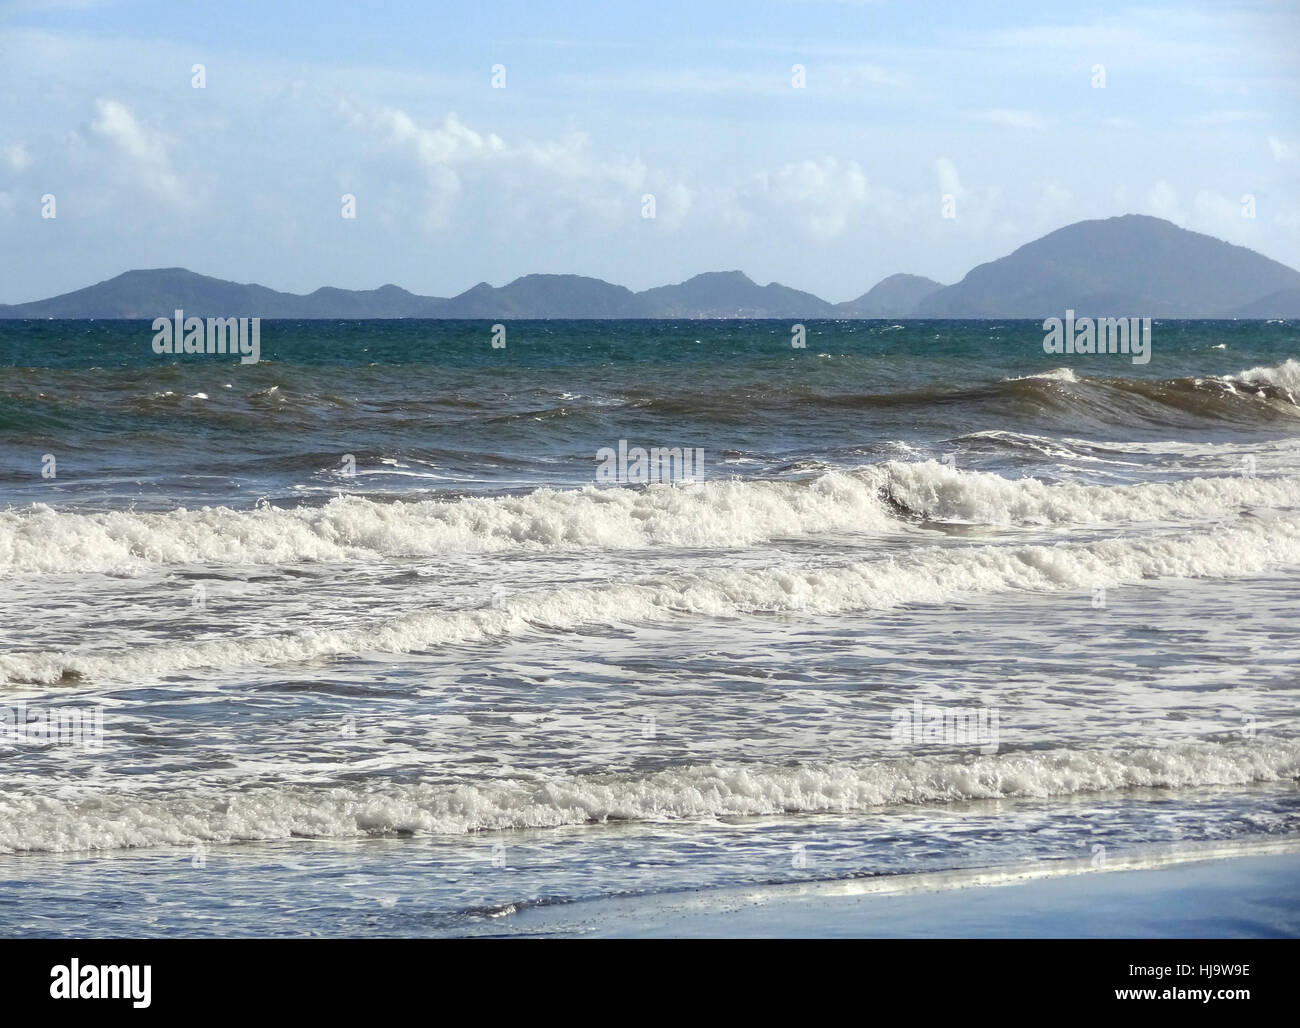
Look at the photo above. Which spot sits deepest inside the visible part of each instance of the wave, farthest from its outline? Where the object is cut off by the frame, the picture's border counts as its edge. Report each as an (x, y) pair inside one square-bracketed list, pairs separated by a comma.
[(934, 574), (1281, 381), (1264, 395), (936, 492), (1258, 395), (77, 819), (719, 513), (1284, 377), (1055, 375), (711, 514)]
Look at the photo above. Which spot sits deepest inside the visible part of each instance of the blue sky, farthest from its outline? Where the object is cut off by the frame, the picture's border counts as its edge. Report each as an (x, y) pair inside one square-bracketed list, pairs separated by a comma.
[(828, 188)]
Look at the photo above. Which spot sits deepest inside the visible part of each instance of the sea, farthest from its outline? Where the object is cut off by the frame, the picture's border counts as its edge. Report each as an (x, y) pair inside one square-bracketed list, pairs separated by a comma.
[(373, 638)]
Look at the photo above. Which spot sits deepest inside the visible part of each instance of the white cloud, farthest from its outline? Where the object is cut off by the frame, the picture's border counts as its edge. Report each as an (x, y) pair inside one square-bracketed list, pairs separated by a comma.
[(1055, 201), (453, 142), (147, 150), (1163, 202), (16, 156), (949, 181), (825, 193), (1214, 213), (1209, 211), (1281, 151), (548, 183)]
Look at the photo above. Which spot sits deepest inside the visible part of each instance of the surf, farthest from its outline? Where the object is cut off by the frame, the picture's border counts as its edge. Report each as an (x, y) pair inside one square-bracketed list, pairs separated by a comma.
[(78, 819), (922, 575)]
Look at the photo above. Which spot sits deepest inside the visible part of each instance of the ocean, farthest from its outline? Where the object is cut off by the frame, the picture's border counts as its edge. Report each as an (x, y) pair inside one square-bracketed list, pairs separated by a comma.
[(356, 641)]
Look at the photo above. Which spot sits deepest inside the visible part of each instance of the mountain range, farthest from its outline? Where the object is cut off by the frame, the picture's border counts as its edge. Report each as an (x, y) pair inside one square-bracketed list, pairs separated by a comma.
[(1128, 266)]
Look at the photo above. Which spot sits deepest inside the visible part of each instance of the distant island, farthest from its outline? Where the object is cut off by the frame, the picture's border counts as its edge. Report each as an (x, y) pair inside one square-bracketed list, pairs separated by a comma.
[(1126, 266)]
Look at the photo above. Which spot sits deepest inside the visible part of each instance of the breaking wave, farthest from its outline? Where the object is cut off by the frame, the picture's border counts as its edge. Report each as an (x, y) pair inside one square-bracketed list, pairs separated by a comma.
[(76, 819), (716, 514), (931, 574)]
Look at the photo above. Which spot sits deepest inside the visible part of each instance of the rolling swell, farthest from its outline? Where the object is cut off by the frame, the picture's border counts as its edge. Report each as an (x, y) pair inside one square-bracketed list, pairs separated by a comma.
[(1260, 395)]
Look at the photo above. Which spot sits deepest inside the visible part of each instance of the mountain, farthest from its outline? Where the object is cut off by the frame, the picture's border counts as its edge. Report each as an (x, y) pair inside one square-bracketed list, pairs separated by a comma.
[(1131, 266), (894, 297), (158, 292), (1128, 266), (385, 302), (1283, 304), (544, 296), (731, 294)]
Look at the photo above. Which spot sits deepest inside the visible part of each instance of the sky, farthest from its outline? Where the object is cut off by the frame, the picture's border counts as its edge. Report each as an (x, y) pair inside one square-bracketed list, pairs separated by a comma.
[(925, 138)]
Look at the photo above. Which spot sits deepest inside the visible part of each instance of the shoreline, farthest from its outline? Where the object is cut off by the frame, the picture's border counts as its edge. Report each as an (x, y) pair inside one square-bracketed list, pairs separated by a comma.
[(1232, 890)]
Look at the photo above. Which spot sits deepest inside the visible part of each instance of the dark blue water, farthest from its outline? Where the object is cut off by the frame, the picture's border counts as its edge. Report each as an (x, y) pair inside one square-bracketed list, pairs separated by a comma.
[(130, 427)]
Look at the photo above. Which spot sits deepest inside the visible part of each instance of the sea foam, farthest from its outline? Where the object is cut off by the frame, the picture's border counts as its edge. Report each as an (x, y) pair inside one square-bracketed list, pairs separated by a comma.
[(77, 818), (731, 513), (929, 574)]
